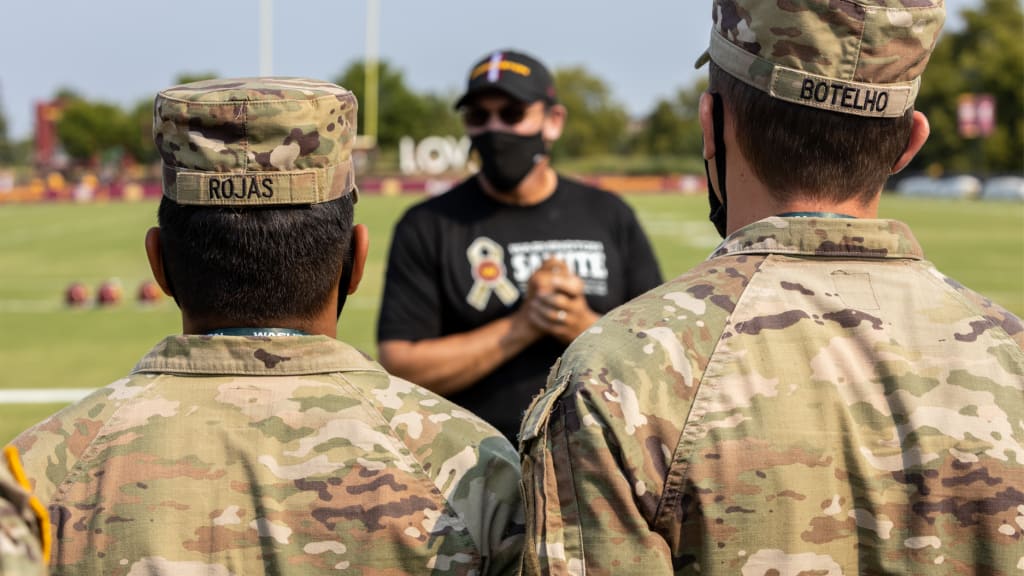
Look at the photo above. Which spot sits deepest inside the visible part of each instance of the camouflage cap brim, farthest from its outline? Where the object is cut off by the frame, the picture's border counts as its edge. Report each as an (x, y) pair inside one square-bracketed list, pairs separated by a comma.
[(190, 187), (799, 87), (704, 58)]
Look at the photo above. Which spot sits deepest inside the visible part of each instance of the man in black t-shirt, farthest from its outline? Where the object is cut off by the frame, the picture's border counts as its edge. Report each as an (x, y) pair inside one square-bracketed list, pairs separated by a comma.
[(487, 283)]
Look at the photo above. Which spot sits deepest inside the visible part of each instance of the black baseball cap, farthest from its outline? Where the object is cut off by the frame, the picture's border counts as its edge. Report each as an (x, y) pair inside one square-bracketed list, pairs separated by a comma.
[(519, 75)]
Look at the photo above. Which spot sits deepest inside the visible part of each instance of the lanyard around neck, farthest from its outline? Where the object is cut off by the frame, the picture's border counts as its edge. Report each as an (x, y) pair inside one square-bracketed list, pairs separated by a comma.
[(262, 332)]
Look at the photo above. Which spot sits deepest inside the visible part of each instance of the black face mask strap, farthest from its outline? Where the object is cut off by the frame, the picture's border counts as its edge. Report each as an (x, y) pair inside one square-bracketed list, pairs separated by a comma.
[(718, 207), (346, 273)]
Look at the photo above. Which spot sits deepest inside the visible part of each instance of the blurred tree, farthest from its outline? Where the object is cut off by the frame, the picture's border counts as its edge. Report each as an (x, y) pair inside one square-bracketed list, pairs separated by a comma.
[(401, 112), (445, 121), (987, 56), (189, 77), (139, 133), (596, 123), (21, 151), (91, 129), (6, 149), (66, 94), (673, 128)]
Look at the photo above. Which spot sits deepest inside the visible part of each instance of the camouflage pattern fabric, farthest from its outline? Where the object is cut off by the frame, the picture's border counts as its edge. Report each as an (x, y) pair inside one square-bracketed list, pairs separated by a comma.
[(20, 548), (256, 141), (862, 57), (815, 398), (231, 455)]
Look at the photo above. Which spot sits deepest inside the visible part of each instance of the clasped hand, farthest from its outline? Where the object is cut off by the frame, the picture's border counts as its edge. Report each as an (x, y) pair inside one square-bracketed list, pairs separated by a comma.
[(555, 302)]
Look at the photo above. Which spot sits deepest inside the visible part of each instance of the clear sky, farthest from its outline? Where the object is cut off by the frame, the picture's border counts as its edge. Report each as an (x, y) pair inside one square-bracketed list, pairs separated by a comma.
[(123, 51)]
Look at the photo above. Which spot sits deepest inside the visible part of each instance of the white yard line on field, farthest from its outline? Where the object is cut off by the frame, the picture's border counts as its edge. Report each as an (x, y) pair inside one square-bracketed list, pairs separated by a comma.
[(42, 395), (29, 306)]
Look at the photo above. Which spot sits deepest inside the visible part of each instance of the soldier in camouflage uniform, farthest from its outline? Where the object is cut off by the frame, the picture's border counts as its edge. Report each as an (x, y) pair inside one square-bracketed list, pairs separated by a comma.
[(255, 442), (23, 522), (815, 398)]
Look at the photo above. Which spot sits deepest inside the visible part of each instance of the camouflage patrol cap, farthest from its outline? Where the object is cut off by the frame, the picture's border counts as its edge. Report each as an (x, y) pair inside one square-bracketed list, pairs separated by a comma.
[(861, 57), (256, 141)]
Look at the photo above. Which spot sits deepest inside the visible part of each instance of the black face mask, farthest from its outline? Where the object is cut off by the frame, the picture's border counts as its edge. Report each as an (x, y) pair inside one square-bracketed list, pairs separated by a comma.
[(718, 207), (507, 158)]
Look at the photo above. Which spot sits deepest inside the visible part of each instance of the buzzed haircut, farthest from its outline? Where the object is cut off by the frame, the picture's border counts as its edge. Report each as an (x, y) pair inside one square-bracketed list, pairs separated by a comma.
[(802, 152), (254, 266)]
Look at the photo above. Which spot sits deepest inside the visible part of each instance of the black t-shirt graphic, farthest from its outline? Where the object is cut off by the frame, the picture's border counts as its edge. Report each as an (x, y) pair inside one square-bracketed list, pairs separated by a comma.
[(462, 259)]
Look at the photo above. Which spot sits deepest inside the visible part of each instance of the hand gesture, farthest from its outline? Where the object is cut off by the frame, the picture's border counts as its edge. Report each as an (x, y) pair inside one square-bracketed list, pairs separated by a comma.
[(556, 303)]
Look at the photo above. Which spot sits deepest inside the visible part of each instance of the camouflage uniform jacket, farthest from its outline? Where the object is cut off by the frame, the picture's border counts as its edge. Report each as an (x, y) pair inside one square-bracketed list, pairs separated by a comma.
[(815, 398), (231, 455), (20, 549)]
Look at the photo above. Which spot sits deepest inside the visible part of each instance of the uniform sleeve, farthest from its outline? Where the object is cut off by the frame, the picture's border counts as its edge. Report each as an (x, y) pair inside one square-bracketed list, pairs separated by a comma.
[(486, 495), (45, 449), (502, 507), (587, 511), (642, 272), (471, 465), (22, 522), (51, 449), (993, 313), (411, 305)]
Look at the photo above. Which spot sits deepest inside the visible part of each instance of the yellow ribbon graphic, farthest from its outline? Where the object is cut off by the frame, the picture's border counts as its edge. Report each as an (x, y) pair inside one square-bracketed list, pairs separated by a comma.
[(487, 262)]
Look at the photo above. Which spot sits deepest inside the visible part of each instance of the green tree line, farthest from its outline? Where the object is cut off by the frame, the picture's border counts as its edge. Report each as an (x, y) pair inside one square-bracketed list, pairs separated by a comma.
[(985, 56)]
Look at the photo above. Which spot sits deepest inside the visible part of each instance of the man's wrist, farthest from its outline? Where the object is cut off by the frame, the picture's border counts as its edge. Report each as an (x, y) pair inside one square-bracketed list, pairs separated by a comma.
[(521, 332)]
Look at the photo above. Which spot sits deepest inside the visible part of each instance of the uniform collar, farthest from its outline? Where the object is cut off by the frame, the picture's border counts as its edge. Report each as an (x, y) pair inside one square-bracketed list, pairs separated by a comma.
[(831, 237), (253, 355)]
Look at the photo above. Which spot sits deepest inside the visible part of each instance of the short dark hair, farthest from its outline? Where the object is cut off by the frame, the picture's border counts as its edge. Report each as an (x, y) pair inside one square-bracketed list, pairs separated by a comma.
[(254, 266), (808, 153)]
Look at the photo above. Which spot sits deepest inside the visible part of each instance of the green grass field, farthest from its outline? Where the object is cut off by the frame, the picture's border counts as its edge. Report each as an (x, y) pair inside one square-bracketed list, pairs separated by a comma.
[(44, 247)]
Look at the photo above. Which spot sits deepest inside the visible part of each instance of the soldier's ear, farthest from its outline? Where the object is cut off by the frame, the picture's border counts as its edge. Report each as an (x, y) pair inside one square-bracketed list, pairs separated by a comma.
[(154, 252), (704, 112), (919, 131), (360, 249)]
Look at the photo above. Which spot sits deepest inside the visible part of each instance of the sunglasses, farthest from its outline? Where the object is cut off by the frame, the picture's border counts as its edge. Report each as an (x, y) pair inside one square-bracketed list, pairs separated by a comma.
[(510, 115)]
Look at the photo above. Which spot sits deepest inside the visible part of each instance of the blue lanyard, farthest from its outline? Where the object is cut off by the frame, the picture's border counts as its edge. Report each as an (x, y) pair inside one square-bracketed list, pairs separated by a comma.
[(262, 332), (814, 215)]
